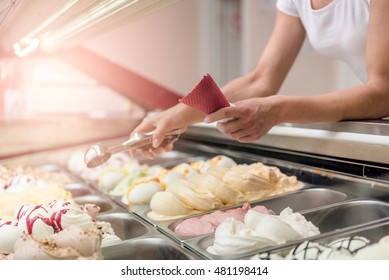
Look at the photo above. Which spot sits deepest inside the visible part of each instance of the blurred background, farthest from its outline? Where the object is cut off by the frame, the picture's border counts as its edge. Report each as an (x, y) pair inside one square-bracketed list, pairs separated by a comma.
[(74, 71)]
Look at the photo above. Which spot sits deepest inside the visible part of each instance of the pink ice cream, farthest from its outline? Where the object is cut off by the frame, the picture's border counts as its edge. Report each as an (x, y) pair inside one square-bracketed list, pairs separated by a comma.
[(207, 224)]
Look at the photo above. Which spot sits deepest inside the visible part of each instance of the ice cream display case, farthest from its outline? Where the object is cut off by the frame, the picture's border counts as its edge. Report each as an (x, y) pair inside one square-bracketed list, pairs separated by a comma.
[(210, 198)]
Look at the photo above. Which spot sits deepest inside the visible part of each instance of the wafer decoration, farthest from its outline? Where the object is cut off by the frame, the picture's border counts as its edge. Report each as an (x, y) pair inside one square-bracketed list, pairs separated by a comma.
[(206, 96)]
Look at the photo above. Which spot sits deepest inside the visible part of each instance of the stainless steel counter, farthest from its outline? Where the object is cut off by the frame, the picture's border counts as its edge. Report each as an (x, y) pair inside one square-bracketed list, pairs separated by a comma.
[(355, 148), (362, 141), (369, 127), (39, 134)]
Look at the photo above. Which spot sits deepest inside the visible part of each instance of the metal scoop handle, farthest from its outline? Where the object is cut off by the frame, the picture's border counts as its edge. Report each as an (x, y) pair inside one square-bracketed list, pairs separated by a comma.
[(98, 154), (144, 141)]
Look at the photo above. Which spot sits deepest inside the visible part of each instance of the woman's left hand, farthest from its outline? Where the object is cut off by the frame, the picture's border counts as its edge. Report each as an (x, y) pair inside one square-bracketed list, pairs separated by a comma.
[(250, 119)]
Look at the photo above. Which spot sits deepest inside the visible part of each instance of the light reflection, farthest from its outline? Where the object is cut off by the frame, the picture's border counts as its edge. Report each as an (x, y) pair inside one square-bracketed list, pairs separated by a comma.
[(26, 46), (3, 70), (95, 15)]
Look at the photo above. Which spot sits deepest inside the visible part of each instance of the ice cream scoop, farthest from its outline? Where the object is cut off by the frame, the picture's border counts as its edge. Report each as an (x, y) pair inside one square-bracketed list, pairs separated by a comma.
[(97, 154)]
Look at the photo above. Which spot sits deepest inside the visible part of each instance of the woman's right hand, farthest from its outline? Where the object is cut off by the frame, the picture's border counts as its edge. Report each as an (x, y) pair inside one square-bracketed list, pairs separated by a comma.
[(178, 117)]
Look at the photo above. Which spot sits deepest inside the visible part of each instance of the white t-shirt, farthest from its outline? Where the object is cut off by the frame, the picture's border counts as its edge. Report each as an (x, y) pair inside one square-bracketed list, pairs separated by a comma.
[(338, 30)]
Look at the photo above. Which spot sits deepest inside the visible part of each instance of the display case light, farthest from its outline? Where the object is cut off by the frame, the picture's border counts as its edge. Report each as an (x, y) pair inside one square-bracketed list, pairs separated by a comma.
[(26, 46), (96, 14), (30, 42), (3, 70), (65, 23)]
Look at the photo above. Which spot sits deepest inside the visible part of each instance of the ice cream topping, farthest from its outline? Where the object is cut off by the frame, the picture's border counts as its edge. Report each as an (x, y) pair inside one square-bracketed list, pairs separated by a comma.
[(45, 221)]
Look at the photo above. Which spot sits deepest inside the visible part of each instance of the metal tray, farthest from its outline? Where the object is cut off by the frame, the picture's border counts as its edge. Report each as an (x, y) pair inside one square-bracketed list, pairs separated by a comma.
[(153, 247), (79, 189), (49, 171), (348, 215), (106, 205), (166, 161), (313, 178), (338, 218), (306, 199), (373, 232), (125, 225)]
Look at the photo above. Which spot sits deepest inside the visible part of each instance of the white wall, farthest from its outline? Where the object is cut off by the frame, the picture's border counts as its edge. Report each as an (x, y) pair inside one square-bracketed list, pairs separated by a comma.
[(304, 78), (52, 87), (174, 47), (164, 46)]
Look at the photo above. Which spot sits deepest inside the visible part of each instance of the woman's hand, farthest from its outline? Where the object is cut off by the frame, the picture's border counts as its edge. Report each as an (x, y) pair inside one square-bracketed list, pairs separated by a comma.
[(250, 119), (178, 117)]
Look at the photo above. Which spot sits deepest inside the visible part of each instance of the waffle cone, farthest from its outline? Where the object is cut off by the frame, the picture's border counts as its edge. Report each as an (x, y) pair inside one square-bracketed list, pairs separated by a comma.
[(206, 96)]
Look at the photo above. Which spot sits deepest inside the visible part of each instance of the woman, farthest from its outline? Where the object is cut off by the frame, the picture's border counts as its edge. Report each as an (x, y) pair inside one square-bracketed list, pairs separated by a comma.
[(355, 31)]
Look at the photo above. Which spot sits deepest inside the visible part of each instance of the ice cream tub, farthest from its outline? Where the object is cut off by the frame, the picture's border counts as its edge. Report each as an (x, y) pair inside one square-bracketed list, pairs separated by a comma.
[(370, 242), (106, 205), (170, 159), (57, 173), (78, 189), (47, 167), (154, 247), (305, 199), (50, 173), (297, 200), (125, 225), (165, 223), (348, 214), (236, 237), (336, 218), (204, 222)]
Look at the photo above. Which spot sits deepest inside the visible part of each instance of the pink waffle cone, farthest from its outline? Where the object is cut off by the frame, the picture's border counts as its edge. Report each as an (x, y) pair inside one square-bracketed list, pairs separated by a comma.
[(206, 96)]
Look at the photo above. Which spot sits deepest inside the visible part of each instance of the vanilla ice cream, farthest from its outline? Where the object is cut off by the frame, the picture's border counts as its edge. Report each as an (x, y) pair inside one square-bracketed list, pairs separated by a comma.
[(166, 205), (224, 185)]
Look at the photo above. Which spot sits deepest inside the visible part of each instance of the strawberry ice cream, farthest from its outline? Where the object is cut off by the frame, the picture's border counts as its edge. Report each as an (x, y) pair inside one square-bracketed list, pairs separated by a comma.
[(207, 224)]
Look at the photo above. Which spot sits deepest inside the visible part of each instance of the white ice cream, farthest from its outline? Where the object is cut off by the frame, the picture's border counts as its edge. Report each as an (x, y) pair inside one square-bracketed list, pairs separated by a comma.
[(44, 221), (258, 231), (9, 233), (69, 244)]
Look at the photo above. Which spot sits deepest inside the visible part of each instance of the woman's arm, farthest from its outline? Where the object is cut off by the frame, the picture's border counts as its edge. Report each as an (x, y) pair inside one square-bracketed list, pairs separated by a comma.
[(255, 117), (367, 101), (275, 62)]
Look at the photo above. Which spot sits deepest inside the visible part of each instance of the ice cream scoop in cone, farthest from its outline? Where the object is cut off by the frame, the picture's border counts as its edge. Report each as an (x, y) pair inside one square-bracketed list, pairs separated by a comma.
[(206, 96)]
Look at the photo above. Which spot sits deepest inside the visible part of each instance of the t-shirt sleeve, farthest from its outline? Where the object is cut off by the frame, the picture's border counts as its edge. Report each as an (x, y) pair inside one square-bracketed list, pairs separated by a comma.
[(288, 7)]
